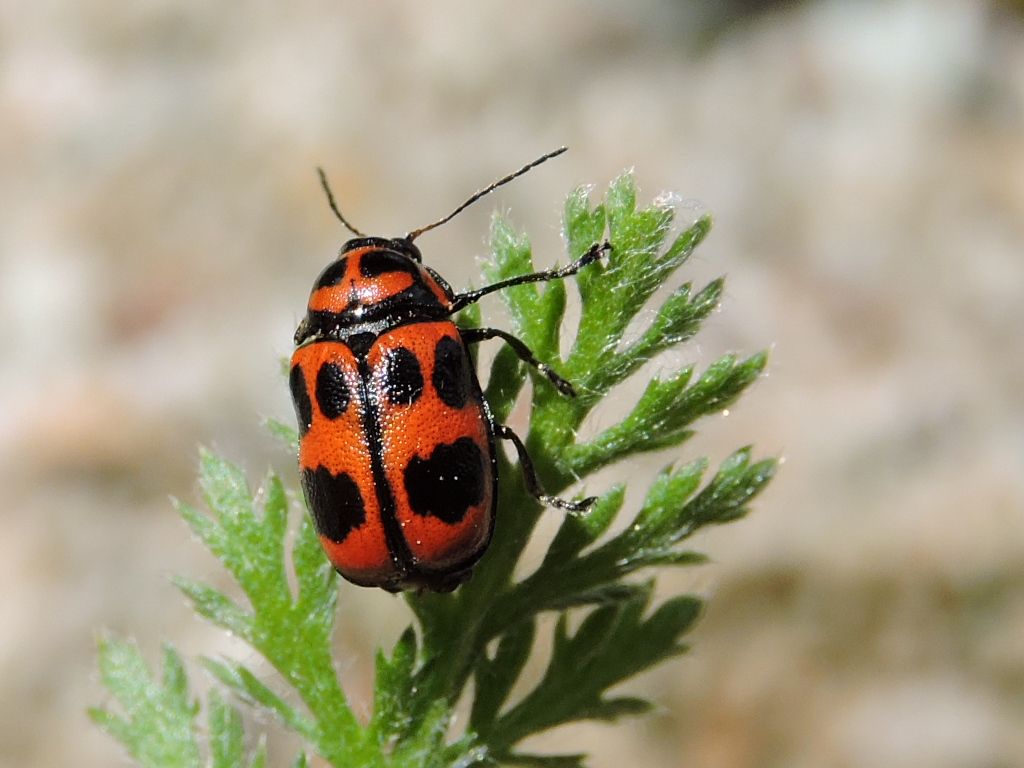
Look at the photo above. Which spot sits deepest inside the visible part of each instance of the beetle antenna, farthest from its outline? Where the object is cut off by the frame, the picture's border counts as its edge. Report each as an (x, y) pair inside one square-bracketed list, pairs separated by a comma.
[(334, 206), (485, 191)]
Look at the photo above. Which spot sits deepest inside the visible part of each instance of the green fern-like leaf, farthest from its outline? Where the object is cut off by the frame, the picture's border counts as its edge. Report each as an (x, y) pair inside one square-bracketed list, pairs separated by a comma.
[(158, 727), (485, 632)]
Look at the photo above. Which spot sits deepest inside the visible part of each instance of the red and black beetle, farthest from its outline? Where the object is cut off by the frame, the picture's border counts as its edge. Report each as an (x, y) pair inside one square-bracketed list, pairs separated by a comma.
[(397, 444)]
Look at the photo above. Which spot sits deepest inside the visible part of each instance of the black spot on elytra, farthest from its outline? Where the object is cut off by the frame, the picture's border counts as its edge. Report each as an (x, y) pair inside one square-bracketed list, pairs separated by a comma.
[(451, 372), (333, 274), (403, 379), (448, 483), (300, 397), (332, 393), (376, 263), (335, 502)]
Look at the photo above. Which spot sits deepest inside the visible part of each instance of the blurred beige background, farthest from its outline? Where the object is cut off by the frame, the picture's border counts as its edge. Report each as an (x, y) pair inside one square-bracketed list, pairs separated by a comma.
[(160, 226)]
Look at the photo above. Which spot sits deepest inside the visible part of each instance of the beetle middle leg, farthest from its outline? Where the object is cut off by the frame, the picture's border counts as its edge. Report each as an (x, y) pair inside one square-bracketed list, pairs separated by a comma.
[(475, 335)]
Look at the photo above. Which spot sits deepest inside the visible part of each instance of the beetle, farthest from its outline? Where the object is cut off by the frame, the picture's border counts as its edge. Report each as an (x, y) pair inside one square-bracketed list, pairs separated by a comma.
[(397, 444)]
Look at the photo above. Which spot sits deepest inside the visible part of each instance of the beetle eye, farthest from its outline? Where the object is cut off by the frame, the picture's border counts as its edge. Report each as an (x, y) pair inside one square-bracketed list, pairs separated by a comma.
[(406, 246)]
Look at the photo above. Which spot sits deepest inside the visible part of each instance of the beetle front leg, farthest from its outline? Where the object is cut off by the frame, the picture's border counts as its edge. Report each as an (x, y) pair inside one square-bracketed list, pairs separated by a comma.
[(597, 250)]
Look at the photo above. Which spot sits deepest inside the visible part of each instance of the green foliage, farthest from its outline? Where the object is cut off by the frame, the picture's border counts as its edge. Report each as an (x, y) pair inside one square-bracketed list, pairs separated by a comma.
[(160, 727), (486, 631)]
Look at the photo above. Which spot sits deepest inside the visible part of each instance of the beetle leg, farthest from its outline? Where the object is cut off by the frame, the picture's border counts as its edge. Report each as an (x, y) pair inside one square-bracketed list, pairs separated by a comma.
[(530, 475), (597, 250), (475, 335)]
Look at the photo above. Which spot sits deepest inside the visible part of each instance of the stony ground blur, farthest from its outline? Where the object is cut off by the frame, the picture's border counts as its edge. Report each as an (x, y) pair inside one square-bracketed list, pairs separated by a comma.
[(160, 225)]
